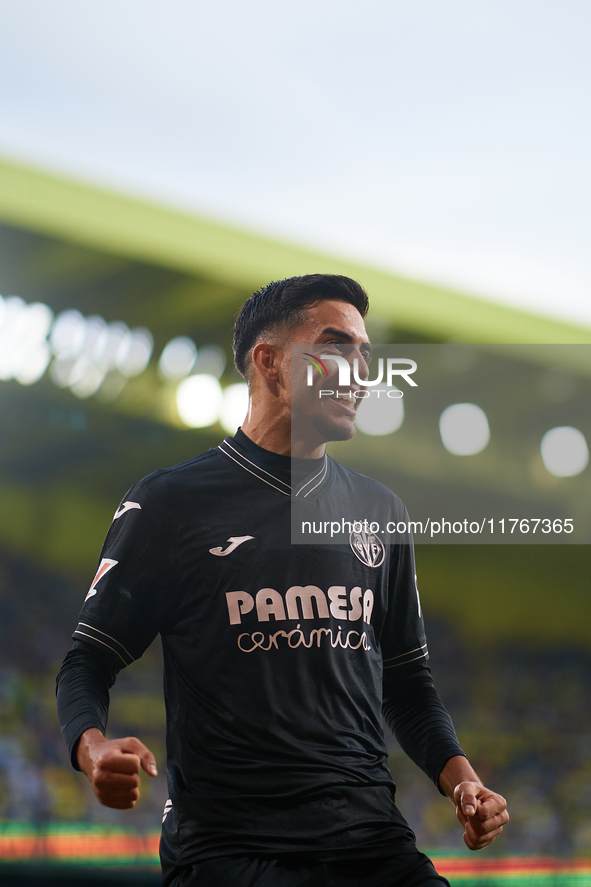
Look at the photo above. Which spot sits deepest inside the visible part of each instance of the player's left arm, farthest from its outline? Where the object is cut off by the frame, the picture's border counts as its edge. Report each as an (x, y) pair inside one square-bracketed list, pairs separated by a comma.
[(424, 729), (415, 713), (482, 812)]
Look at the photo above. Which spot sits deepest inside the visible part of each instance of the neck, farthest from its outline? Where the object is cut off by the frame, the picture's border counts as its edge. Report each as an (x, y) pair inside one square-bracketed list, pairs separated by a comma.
[(275, 435)]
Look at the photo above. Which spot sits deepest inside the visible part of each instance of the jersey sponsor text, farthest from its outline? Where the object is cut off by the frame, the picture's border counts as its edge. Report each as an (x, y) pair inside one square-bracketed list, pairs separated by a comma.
[(302, 602)]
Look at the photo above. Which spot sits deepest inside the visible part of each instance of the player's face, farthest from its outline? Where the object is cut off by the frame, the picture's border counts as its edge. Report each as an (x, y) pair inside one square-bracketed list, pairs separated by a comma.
[(331, 328)]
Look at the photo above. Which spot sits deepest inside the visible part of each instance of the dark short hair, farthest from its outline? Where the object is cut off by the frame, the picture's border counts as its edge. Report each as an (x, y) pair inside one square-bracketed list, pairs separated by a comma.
[(280, 303)]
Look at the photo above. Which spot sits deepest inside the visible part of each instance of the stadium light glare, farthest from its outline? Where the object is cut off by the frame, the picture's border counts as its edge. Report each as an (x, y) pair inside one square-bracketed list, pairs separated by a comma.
[(11, 308), (211, 360), (177, 358), (95, 339), (464, 429), (564, 451), (34, 363), (85, 377), (61, 369), (380, 414), (87, 354), (234, 406), (37, 320), (136, 352), (198, 400), (8, 358), (68, 333), (117, 343), (23, 329), (112, 386), (10, 331)]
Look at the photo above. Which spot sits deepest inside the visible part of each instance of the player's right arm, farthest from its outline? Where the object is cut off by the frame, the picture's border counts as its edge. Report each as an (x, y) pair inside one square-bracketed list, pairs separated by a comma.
[(129, 601), (112, 766)]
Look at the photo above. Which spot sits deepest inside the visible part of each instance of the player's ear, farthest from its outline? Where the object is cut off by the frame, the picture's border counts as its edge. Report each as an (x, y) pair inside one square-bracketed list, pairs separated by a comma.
[(266, 359)]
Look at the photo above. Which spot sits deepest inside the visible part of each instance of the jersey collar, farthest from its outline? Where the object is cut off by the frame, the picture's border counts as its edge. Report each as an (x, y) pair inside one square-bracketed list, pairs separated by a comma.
[(274, 469)]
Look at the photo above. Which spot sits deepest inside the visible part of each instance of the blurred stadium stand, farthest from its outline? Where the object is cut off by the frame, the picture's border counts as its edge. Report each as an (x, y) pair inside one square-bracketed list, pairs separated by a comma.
[(508, 627)]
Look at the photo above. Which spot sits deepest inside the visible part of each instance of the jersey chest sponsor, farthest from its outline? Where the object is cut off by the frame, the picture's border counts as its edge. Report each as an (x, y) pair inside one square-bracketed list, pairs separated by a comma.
[(301, 602), (307, 603)]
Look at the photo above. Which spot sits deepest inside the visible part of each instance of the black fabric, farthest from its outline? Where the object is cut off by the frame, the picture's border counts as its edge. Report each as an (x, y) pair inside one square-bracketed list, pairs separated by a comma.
[(82, 687), (273, 656), (409, 870), (412, 707), (416, 715)]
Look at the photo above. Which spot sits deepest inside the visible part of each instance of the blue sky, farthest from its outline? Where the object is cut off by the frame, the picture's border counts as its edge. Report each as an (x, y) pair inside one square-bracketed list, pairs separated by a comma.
[(446, 140)]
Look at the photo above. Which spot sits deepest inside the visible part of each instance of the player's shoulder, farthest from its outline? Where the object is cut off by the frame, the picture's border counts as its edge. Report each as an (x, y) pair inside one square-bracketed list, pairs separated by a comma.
[(166, 482), (367, 487)]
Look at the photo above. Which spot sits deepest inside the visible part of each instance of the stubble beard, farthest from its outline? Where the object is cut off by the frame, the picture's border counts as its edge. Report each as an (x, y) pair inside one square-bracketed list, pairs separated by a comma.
[(334, 430)]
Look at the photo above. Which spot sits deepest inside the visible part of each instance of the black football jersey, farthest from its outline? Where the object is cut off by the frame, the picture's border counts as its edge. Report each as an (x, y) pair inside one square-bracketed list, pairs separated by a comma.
[(273, 652)]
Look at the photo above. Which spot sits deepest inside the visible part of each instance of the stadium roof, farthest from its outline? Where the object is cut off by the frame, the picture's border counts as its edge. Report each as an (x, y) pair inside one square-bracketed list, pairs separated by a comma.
[(134, 230)]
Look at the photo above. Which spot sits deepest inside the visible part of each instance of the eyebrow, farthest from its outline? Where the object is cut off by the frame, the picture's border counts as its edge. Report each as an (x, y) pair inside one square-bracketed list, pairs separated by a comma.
[(333, 331)]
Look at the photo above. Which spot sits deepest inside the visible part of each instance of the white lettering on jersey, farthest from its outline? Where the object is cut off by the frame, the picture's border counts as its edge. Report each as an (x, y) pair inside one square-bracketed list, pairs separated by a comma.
[(127, 506), (235, 542), (302, 602), (309, 604), (347, 640), (105, 565)]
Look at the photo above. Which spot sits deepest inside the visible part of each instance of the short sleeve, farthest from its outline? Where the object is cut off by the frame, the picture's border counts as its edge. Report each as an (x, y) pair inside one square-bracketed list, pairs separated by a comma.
[(135, 586), (403, 638)]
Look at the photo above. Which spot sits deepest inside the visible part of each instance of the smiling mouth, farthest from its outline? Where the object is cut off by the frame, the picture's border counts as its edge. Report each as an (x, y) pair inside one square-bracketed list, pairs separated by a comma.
[(345, 399)]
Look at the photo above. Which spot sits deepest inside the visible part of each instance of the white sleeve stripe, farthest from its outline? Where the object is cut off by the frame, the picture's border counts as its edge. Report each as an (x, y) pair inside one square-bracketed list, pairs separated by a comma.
[(96, 640), (401, 655), (396, 664), (104, 634)]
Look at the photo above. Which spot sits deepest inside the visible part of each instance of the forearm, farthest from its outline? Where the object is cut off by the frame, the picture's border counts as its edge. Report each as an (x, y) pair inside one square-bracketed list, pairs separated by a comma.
[(416, 715), (82, 688), (458, 769), (90, 738), (112, 766)]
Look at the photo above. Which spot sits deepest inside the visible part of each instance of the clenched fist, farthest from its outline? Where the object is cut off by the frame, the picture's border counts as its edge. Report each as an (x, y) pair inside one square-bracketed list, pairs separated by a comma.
[(482, 812), (113, 767)]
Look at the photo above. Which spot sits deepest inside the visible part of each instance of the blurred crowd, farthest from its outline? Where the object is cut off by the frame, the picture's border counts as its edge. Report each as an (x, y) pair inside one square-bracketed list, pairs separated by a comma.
[(38, 613), (523, 715)]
